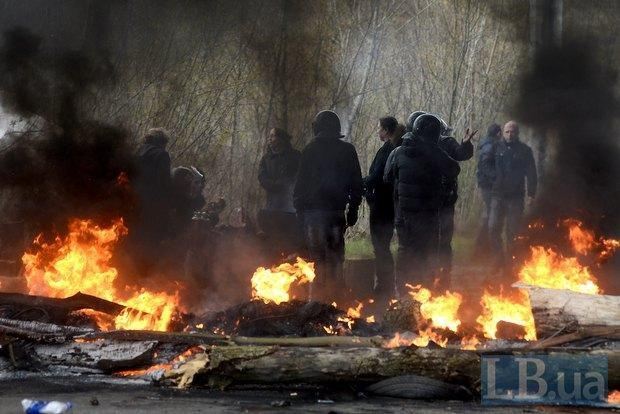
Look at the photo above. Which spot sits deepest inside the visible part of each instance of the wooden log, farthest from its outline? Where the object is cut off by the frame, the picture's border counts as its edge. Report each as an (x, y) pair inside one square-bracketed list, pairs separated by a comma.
[(605, 332), (103, 355), (57, 309), (269, 365), (42, 327), (202, 338), (562, 311)]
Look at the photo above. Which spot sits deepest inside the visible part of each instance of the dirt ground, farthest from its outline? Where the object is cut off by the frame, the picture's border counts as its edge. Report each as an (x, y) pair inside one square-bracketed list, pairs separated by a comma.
[(120, 396)]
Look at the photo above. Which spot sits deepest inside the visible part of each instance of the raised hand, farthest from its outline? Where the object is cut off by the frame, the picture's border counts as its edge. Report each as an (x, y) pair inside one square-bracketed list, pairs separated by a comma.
[(468, 136)]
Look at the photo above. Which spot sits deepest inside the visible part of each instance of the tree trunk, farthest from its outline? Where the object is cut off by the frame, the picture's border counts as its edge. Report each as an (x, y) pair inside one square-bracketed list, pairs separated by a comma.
[(270, 365), (103, 355), (563, 311)]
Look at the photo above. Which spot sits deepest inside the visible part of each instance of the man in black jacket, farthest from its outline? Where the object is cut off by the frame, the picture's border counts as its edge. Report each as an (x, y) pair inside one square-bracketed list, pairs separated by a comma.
[(276, 173), (514, 164), (462, 151), (416, 168), (329, 180), (379, 196), (485, 176)]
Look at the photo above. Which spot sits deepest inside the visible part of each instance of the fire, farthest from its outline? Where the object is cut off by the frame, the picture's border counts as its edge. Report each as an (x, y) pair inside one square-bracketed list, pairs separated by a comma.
[(584, 241), (163, 367), (614, 397), (81, 263), (355, 312), (470, 343), (498, 308), (273, 285), (549, 269), (441, 310)]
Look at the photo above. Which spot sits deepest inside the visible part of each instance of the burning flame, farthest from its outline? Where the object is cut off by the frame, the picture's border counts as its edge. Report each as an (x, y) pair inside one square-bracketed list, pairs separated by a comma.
[(549, 269), (80, 263), (498, 308), (614, 397), (272, 285), (441, 310), (179, 359)]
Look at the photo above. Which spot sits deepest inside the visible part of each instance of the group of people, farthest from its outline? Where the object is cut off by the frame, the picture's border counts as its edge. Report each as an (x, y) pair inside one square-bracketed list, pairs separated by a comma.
[(167, 200), (412, 186)]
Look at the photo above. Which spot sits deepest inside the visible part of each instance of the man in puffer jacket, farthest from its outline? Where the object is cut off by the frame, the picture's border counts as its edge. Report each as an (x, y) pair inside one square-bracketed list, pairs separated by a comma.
[(417, 168)]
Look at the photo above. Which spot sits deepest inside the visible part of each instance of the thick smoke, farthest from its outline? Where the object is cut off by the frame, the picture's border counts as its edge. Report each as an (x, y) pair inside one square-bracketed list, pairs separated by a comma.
[(67, 165), (570, 95)]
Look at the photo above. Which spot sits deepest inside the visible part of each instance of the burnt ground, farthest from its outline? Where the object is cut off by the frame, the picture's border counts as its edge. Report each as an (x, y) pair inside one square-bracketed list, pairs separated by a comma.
[(121, 396)]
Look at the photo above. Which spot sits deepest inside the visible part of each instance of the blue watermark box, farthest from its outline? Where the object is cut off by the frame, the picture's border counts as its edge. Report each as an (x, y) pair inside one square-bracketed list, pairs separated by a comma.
[(559, 378)]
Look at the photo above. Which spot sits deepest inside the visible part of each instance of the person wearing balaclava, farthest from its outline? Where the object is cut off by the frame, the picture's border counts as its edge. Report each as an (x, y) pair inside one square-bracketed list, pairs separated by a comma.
[(417, 169), (327, 196)]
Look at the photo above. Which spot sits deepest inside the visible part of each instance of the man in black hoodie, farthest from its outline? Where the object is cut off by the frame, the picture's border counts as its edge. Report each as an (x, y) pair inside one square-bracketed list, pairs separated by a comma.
[(329, 180), (417, 168)]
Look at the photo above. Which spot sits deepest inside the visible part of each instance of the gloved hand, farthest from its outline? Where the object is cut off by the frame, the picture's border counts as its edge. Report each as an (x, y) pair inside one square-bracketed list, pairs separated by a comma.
[(351, 216)]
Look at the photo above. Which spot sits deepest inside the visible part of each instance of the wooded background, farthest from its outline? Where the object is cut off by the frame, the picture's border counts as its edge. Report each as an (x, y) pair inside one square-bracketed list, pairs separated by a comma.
[(219, 74)]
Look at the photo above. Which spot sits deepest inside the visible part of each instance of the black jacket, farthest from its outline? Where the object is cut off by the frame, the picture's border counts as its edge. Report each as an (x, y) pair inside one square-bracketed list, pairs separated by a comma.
[(379, 194), (153, 181), (329, 176), (458, 152), (514, 163), (417, 169), (276, 174), (485, 173)]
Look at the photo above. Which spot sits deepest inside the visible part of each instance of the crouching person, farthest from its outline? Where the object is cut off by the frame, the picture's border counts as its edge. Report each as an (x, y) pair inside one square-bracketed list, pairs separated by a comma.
[(327, 196)]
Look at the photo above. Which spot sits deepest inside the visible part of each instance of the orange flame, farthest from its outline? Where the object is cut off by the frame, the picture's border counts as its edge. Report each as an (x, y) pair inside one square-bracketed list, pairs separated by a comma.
[(80, 263), (496, 308), (549, 269), (614, 397), (163, 367), (441, 310), (583, 240), (273, 285)]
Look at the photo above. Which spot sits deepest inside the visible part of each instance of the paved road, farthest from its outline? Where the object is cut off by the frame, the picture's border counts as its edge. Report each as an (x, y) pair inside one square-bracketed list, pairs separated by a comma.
[(123, 397)]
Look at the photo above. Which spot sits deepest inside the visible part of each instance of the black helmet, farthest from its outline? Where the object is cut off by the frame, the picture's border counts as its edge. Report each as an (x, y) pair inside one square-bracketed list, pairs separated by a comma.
[(411, 119), (427, 128), (326, 124)]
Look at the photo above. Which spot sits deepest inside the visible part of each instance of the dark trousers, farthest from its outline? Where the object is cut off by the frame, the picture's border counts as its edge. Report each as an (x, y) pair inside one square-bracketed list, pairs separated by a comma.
[(504, 213), (324, 235), (282, 233), (482, 241), (381, 232), (446, 232), (418, 240)]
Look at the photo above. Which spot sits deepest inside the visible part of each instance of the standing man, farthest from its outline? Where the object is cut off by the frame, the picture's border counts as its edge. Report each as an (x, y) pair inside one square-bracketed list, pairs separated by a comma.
[(327, 196), (276, 174), (462, 151), (485, 176), (416, 168), (379, 196), (514, 165)]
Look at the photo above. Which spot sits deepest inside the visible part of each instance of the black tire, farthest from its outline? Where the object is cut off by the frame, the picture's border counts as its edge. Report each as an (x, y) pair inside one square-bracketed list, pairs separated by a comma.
[(417, 387)]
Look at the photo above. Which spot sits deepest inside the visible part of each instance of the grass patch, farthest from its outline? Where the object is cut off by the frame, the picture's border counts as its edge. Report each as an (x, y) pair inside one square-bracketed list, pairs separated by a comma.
[(361, 247)]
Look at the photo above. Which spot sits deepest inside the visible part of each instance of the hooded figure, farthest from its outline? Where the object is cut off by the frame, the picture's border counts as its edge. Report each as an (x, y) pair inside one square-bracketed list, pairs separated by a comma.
[(276, 174), (417, 169), (329, 182)]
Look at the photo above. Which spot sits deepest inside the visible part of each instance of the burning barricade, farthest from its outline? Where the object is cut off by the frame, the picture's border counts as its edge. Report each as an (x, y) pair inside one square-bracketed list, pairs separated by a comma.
[(78, 318)]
